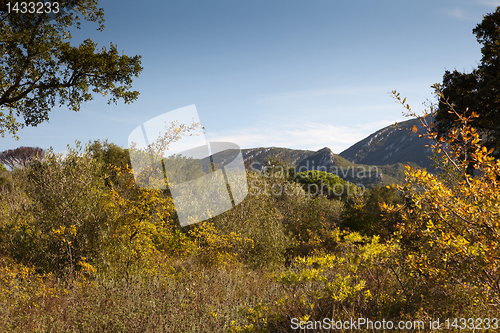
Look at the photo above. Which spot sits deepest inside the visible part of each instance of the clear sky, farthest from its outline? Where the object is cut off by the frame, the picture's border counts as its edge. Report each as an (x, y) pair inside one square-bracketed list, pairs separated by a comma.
[(302, 74)]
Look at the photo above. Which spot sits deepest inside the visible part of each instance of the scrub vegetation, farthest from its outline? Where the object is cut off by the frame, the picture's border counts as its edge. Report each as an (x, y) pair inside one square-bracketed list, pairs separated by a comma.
[(82, 248)]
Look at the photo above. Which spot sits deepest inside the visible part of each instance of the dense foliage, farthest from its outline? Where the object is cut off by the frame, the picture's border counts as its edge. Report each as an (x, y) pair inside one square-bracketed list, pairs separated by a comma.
[(84, 248), (363, 213), (317, 183), (450, 235)]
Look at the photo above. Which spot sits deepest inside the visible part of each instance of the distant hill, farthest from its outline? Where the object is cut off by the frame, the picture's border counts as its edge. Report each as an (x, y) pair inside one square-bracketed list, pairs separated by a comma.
[(392, 145)]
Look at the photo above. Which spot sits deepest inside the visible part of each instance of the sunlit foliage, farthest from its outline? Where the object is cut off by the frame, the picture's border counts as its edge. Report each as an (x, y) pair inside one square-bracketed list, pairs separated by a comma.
[(450, 234)]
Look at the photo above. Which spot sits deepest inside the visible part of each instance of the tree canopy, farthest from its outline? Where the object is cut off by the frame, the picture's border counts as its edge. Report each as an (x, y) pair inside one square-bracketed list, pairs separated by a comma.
[(39, 68), (317, 182), (476, 91), (20, 156)]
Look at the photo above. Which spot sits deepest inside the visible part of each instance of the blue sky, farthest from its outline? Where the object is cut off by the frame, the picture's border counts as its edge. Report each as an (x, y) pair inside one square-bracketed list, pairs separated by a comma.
[(287, 73)]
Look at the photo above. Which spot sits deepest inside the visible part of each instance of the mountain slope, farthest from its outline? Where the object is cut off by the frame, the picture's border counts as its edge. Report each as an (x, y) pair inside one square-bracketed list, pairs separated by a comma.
[(392, 145), (256, 158)]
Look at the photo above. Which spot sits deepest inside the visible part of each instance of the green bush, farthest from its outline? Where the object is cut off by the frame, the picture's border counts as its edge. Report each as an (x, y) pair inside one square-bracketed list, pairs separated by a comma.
[(60, 212), (260, 218), (60, 216), (364, 215), (278, 221), (317, 183)]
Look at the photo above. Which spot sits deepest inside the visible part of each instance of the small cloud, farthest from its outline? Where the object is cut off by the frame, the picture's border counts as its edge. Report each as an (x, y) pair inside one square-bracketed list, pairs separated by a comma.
[(458, 13)]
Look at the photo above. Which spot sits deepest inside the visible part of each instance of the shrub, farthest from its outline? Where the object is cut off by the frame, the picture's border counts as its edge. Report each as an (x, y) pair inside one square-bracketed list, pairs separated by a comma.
[(450, 235), (324, 183), (364, 215), (64, 217), (259, 221), (350, 283), (59, 213)]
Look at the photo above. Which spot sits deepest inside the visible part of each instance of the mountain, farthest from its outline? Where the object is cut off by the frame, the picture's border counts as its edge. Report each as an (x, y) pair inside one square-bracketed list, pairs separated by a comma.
[(323, 159), (379, 159), (390, 145)]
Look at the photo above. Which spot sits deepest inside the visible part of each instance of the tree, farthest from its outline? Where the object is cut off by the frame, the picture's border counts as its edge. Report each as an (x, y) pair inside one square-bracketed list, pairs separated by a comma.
[(109, 153), (40, 68), (20, 156), (476, 91)]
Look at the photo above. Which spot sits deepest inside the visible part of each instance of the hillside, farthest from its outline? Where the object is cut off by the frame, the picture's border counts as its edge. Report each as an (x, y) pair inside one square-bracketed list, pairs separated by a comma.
[(256, 158), (392, 145)]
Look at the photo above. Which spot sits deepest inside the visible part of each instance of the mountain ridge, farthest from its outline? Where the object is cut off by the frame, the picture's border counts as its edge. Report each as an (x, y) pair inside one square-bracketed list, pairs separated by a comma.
[(392, 144), (383, 155)]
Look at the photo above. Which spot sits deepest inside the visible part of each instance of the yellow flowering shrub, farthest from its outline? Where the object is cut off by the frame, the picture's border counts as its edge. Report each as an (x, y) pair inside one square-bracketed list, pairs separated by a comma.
[(214, 247), (20, 284), (141, 229), (348, 283)]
